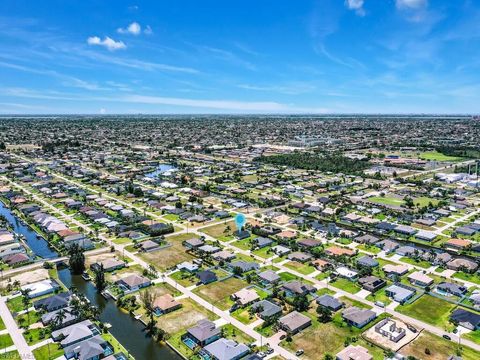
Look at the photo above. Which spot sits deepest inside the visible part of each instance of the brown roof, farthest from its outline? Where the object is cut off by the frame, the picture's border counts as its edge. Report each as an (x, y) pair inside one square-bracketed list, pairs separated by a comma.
[(319, 263), (338, 251), (461, 243), (65, 233), (166, 302)]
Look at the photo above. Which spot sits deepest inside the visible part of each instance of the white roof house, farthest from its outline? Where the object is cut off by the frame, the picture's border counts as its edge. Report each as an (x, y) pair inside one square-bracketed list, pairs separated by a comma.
[(40, 288)]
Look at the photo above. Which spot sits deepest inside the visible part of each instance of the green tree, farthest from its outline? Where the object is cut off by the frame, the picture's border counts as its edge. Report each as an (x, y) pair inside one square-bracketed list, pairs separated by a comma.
[(100, 282), (324, 314), (77, 259)]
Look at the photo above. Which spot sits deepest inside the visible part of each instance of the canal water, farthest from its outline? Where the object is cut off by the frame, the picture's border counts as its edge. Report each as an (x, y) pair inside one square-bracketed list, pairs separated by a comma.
[(160, 170), (37, 244), (128, 331)]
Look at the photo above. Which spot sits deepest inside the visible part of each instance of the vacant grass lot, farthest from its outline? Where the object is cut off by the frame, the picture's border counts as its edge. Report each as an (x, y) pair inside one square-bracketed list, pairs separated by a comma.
[(304, 269), (5, 341), (188, 315), (166, 258), (474, 278), (429, 309), (346, 285), (218, 293), (48, 351), (323, 338), (440, 348), (436, 156), (387, 200), (218, 230)]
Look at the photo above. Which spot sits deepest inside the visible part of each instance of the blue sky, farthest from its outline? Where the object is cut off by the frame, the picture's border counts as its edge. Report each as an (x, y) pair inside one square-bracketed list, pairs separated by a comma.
[(248, 56)]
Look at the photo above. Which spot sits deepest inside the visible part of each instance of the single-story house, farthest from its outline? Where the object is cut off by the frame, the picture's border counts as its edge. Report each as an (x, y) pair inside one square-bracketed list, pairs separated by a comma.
[(40, 288), (296, 287), (354, 352), (245, 297), (400, 293), (358, 317), (420, 279), (53, 302), (465, 318), (206, 277), (91, 349), (204, 333), (245, 266), (367, 261), (294, 322), (372, 283), (299, 256), (165, 304), (109, 265), (133, 282), (329, 302), (269, 277), (446, 288), (223, 349), (266, 309)]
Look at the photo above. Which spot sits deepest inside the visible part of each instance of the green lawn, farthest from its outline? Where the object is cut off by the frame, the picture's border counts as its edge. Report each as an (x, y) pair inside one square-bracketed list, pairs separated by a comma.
[(117, 347), (218, 293), (28, 319), (286, 276), (387, 200), (436, 156), (231, 332), (264, 252), (5, 341), (48, 352), (379, 296), (11, 355), (429, 309), (440, 348), (424, 201), (2, 324), (184, 278), (474, 278), (420, 263), (304, 269), (15, 304), (369, 248), (346, 285), (322, 338), (33, 336), (243, 316), (473, 336)]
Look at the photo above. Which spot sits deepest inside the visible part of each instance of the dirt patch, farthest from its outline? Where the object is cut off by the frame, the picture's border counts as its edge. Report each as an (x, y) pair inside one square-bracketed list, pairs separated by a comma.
[(28, 277), (182, 319), (169, 257), (384, 341)]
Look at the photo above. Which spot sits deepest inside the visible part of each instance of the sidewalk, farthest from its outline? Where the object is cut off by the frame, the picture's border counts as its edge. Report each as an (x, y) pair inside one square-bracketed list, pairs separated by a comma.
[(14, 331)]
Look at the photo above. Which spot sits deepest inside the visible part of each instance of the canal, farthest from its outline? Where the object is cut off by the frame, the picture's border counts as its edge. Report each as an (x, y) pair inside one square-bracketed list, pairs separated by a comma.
[(36, 243), (160, 170), (128, 331)]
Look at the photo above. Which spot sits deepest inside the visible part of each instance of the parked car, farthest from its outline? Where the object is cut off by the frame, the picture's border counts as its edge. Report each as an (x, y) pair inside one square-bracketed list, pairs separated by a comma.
[(447, 337), (412, 328), (299, 352)]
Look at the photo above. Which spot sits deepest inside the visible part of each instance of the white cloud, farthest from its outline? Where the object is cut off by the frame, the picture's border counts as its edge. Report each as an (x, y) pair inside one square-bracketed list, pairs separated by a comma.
[(107, 42), (148, 30), (411, 4), (134, 28), (356, 5), (102, 111)]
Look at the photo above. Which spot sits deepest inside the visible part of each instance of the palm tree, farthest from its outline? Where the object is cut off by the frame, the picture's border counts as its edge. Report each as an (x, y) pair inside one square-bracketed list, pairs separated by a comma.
[(59, 317), (26, 302)]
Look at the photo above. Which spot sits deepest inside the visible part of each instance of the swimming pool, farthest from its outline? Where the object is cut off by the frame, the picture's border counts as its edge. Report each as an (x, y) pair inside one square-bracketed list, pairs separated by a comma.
[(190, 343)]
